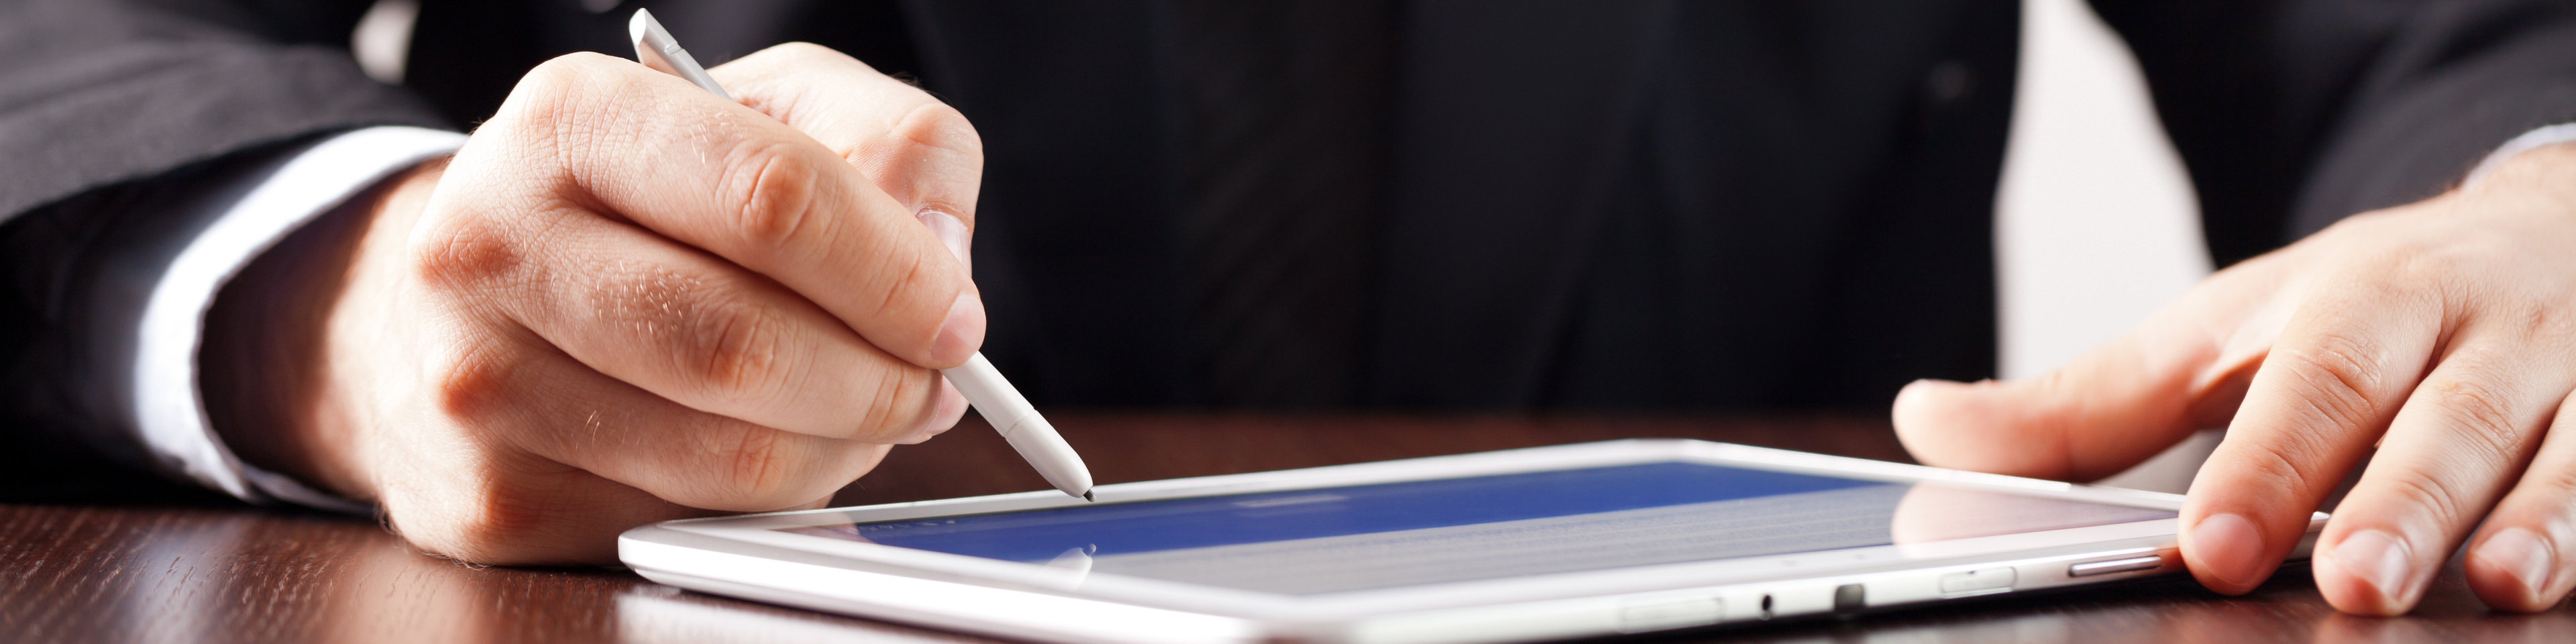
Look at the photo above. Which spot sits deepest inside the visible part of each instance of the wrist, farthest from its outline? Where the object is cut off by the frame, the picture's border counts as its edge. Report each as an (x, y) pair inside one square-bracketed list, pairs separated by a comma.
[(274, 387)]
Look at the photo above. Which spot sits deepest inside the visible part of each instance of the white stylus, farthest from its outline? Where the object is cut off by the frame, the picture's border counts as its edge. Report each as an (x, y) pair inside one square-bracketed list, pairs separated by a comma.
[(1004, 407)]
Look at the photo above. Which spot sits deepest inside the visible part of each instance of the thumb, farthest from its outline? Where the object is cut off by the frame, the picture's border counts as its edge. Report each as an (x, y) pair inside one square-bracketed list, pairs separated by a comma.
[(2116, 405)]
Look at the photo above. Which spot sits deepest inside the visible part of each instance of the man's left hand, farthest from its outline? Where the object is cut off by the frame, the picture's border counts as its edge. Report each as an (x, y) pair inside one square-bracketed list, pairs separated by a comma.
[(2442, 333)]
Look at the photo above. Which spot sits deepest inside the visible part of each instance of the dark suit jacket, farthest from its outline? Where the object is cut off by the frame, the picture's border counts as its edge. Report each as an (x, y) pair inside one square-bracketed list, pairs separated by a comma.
[(1632, 204)]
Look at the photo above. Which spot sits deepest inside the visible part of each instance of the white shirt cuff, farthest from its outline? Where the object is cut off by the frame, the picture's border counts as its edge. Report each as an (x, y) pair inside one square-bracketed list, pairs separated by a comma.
[(2543, 137), (169, 411)]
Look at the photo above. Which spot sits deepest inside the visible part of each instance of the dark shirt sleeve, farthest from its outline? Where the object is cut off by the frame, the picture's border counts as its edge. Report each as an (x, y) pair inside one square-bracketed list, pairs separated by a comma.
[(117, 116), (2293, 114), (67, 271)]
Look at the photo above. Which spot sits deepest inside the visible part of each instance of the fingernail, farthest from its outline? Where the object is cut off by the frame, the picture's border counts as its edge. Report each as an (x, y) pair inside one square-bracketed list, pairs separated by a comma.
[(2376, 557), (961, 333), (2228, 547), (953, 233), (2522, 554)]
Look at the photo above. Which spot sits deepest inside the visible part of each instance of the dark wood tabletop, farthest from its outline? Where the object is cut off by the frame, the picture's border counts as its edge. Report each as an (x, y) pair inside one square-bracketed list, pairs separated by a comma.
[(219, 573)]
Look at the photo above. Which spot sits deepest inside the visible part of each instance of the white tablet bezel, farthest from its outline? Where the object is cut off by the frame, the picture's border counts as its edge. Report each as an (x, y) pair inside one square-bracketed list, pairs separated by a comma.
[(654, 550)]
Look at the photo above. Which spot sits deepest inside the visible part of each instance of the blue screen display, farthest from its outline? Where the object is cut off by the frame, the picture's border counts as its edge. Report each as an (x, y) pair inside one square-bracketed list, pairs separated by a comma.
[(1227, 520), (1374, 536)]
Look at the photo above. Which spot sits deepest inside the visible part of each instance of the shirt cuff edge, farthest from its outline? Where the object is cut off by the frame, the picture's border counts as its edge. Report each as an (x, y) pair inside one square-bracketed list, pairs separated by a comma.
[(169, 409)]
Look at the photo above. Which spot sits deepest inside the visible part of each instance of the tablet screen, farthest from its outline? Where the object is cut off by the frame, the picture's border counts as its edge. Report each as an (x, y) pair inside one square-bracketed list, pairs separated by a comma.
[(1400, 534)]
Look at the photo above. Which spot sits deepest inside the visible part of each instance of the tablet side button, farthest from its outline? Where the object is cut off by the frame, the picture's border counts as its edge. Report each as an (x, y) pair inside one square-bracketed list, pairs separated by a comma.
[(2132, 564)]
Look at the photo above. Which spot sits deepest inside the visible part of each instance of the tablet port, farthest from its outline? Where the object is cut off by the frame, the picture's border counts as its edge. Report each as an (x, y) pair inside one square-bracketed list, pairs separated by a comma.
[(1850, 597)]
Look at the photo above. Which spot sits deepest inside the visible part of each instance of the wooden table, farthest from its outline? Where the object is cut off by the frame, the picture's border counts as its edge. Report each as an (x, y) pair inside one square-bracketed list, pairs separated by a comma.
[(127, 573)]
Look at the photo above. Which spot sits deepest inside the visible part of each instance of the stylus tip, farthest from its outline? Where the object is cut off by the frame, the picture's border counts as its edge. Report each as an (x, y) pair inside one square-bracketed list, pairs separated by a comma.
[(1086, 495)]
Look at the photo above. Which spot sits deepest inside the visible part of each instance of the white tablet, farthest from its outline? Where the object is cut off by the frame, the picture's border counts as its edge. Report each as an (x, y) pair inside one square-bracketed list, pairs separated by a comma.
[(1520, 545)]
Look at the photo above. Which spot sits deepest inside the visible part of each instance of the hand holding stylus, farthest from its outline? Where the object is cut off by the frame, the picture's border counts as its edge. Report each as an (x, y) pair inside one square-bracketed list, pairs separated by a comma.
[(626, 300), (1002, 405)]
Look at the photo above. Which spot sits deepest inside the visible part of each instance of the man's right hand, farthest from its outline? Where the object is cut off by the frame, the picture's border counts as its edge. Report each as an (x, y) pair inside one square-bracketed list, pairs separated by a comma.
[(627, 300)]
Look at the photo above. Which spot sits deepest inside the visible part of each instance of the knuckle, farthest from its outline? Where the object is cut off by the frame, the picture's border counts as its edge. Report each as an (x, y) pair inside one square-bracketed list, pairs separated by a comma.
[(739, 353), (726, 348), (570, 69), (915, 277), (501, 518), (2427, 490), (756, 470), (928, 157), (473, 385), (2339, 376), (563, 109), (2403, 264), (2541, 323), (542, 97), (895, 403), (943, 154), (491, 529), (458, 252), (2420, 262), (2483, 416), (536, 101), (554, 78), (771, 190), (937, 125), (2291, 462)]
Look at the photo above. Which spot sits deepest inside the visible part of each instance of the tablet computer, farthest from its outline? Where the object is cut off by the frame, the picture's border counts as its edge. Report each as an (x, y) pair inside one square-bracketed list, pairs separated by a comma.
[(1521, 545)]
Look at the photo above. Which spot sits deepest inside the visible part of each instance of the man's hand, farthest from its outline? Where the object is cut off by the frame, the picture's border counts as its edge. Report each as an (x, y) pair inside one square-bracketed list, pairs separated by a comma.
[(2443, 333), (627, 300)]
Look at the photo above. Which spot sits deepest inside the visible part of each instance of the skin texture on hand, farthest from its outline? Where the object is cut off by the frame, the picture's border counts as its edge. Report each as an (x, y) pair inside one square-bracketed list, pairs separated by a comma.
[(2442, 334), (625, 300)]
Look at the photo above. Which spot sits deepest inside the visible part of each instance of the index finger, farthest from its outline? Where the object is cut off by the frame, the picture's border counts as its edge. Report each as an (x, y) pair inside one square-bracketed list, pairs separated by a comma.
[(740, 185), (2117, 404)]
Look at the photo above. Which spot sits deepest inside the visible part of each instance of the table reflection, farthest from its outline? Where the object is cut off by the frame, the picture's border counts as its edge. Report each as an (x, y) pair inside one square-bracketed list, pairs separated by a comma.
[(665, 615), (226, 574), (152, 575), (193, 575), (2157, 612)]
